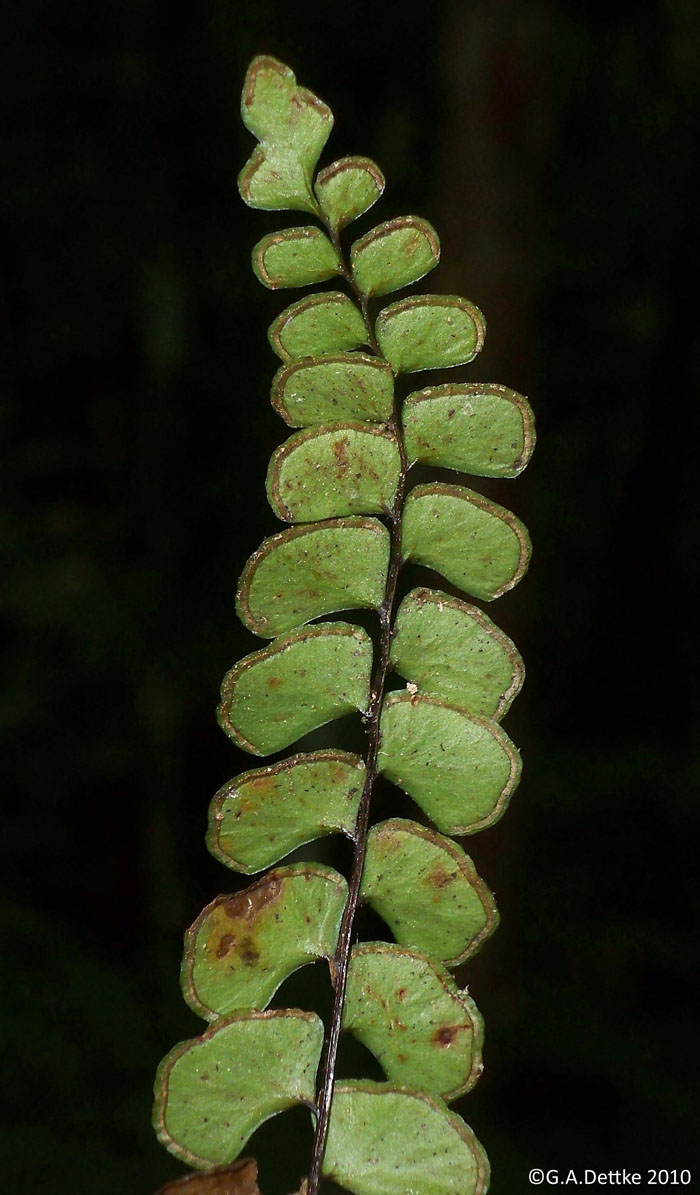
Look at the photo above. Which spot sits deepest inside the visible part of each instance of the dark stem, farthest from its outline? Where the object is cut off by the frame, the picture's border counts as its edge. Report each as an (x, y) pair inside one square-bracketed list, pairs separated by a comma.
[(339, 970)]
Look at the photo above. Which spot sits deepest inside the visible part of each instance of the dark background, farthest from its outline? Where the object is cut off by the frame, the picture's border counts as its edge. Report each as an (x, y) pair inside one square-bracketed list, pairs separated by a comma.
[(551, 144)]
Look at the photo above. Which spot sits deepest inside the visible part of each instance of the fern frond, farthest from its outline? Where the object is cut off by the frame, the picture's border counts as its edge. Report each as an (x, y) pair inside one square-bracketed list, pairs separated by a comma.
[(341, 483)]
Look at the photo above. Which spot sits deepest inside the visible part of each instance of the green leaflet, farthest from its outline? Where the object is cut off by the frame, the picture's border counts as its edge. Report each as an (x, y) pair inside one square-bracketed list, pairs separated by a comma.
[(242, 947), (461, 769), (348, 188), (454, 651), (337, 387), (473, 543), (272, 697), (214, 1091), (408, 1011), (292, 126), (311, 570), (324, 323), (480, 428), (385, 1141), (261, 816), (295, 257), (394, 254), (334, 469), (427, 891), (430, 332)]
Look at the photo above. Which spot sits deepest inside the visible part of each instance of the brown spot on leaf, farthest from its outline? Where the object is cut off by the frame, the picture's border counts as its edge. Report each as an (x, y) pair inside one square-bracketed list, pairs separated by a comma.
[(249, 954), (446, 1034), (226, 943), (439, 877), (340, 452), (273, 682), (248, 903), (262, 785)]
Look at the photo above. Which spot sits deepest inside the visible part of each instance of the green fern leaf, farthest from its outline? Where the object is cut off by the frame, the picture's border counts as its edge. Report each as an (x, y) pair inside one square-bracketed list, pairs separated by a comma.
[(325, 323), (214, 1091), (428, 891), (308, 571), (394, 1141), (258, 818), (343, 483), (242, 947), (481, 429), (347, 189), (273, 697), (473, 543), (325, 388), (334, 469), (407, 1010), (430, 332), (292, 126), (449, 649), (394, 254), (295, 257), (461, 769)]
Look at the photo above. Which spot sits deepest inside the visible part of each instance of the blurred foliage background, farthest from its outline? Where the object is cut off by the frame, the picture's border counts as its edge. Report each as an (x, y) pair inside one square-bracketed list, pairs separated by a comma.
[(552, 146)]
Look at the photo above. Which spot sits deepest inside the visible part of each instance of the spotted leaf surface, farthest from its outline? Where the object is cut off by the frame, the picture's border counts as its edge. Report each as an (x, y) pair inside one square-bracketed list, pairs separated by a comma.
[(292, 126), (338, 387), (461, 769), (474, 543), (272, 697), (214, 1091), (394, 254), (486, 430), (311, 570), (295, 257), (407, 1010), (334, 469), (261, 816), (348, 188), (427, 890), (430, 332), (325, 323), (385, 1141), (242, 947), (452, 650)]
